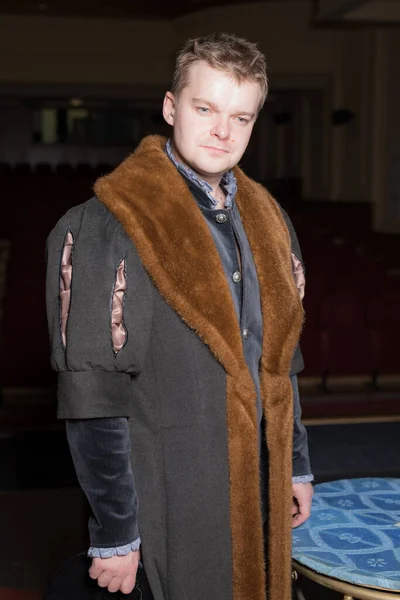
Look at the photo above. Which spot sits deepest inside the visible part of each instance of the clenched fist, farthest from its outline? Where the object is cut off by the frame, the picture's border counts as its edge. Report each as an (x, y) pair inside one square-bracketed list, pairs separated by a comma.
[(117, 573), (302, 500)]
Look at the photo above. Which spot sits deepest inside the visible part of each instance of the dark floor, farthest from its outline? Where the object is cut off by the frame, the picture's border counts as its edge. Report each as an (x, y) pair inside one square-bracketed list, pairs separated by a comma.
[(313, 591), (42, 512), (341, 451)]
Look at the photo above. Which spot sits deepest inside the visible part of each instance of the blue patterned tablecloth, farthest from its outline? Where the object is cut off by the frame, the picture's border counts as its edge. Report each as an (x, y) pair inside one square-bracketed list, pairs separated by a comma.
[(353, 533)]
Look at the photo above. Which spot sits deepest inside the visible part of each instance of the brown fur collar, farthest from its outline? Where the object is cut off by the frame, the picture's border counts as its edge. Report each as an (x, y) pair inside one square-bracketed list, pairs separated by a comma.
[(153, 203)]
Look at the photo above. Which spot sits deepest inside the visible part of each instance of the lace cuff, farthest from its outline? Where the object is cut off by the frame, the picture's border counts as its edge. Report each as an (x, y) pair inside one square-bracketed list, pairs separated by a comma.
[(119, 550), (303, 478)]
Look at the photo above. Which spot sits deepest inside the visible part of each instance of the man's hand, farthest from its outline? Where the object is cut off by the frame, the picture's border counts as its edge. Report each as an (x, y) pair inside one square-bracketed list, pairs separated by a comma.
[(302, 498), (117, 573)]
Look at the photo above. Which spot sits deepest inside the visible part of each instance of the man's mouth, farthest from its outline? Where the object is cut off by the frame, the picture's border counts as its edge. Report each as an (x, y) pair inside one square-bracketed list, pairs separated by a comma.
[(215, 149)]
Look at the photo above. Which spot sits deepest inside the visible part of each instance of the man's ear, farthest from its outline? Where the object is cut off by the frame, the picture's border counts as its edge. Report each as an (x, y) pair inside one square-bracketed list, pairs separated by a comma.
[(169, 108)]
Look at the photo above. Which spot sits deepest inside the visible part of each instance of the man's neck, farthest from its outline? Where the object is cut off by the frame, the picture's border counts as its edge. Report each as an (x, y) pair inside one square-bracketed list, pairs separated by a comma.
[(214, 182)]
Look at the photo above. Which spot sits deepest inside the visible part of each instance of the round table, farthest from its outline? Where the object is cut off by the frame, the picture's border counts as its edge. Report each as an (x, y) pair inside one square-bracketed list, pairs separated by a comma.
[(351, 542)]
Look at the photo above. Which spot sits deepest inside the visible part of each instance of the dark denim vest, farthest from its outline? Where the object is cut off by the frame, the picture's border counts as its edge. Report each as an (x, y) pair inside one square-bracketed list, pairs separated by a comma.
[(228, 233)]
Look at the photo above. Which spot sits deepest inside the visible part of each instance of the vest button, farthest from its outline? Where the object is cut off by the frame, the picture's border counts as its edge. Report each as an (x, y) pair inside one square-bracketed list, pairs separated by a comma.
[(221, 218), (246, 334), (237, 277)]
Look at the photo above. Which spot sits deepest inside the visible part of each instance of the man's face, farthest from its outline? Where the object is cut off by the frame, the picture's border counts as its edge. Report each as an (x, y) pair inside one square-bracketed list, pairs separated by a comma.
[(213, 118)]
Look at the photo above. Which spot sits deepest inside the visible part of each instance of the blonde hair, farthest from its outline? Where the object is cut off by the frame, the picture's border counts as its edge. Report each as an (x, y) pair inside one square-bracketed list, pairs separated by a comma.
[(226, 52)]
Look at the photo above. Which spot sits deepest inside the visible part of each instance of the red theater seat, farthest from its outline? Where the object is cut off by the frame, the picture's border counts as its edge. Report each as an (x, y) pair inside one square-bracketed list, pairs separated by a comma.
[(383, 314), (43, 169), (64, 169), (23, 169), (343, 318), (313, 346), (84, 170)]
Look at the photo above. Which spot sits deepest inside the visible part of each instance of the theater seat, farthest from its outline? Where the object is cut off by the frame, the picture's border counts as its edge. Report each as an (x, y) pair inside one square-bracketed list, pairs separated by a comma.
[(84, 170), (350, 346), (43, 169), (313, 344), (64, 169), (383, 316), (23, 169)]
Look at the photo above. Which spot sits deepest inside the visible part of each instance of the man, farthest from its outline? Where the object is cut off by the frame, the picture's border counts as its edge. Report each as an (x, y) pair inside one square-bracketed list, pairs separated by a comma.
[(174, 317)]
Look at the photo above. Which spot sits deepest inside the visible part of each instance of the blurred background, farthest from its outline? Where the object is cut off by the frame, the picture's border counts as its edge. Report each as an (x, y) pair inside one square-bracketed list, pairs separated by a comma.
[(80, 84)]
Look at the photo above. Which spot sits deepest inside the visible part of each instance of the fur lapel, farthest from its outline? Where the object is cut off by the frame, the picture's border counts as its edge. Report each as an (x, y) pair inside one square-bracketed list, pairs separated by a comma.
[(153, 202), (282, 320)]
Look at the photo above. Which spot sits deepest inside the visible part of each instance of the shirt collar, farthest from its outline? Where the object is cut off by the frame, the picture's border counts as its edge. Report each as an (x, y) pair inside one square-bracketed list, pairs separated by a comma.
[(228, 181)]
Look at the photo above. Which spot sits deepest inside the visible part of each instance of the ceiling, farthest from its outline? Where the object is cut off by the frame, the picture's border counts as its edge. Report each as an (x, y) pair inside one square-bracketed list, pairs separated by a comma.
[(381, 10), (325, 11), (144, 9), (358, 11)]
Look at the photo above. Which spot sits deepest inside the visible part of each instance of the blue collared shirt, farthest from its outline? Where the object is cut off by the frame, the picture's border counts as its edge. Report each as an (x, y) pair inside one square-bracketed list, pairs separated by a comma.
[(228, 181)]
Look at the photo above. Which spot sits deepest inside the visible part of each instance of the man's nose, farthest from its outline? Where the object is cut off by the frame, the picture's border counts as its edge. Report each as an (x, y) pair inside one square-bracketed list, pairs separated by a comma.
[(221, 129)]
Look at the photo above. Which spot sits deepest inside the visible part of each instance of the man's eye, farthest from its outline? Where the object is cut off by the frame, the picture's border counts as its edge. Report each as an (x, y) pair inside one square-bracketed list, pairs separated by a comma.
[(203, 109), (242, 120)]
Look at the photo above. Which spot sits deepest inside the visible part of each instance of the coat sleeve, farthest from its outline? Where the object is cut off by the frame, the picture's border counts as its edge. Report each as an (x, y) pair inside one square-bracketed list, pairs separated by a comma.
[(99, 316), (301, 459), (100, 450), (299, 276), (99, 313)]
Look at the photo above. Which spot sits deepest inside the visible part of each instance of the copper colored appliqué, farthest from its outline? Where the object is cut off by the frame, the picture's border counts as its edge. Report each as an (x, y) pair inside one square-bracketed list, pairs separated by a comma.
[(65, 285), (118, 330), (299, 277)]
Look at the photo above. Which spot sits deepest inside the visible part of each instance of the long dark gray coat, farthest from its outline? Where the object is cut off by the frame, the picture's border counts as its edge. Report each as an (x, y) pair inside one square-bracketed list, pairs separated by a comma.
[(172, 362)]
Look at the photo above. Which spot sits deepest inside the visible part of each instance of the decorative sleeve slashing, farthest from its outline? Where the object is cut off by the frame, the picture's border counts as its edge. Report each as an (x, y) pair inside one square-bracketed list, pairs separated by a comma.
[(299, 276), (65, 285), (118, 329)]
